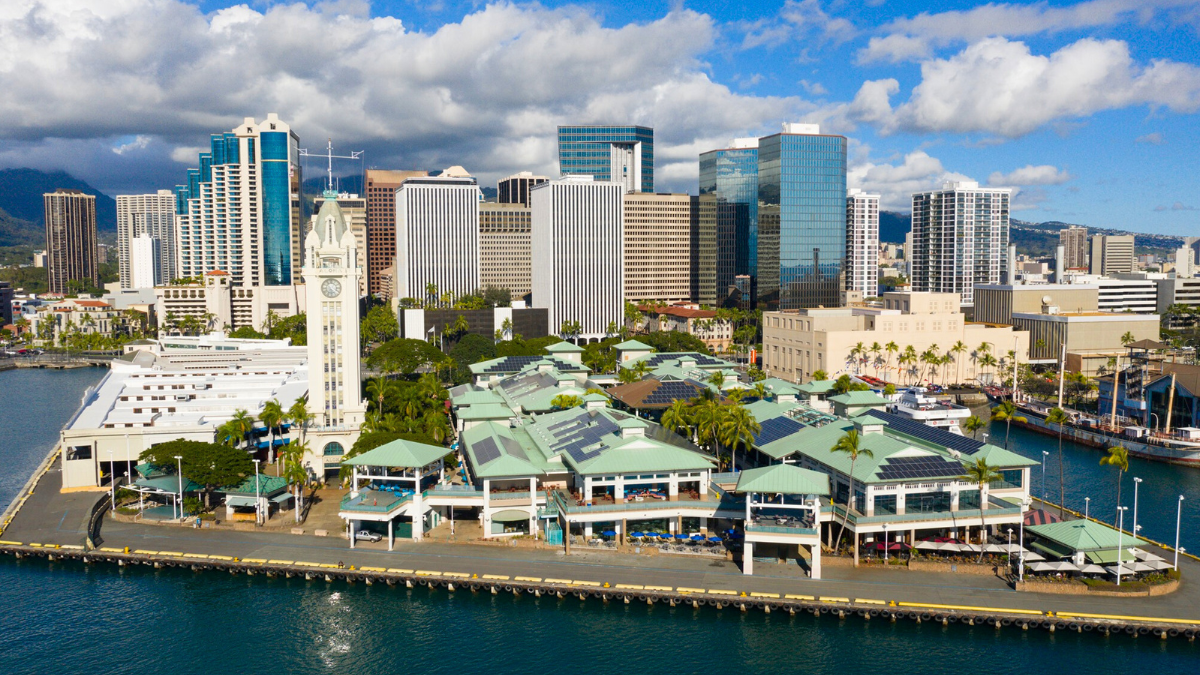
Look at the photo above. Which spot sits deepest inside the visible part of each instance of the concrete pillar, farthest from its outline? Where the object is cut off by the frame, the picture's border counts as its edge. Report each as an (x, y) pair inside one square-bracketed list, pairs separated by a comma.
[(855, 534), (418, 519), (587, 531), (621, 531), (678, 524), (350, 523), (747, 558), (619, 491), (815, 561), (391, 534), (704, 526), (673, 488)]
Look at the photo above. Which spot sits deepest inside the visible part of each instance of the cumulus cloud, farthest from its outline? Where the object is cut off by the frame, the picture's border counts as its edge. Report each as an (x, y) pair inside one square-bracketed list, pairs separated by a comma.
[(1028, 175), (896, 183), (798, 19), (1153, 138), (136, 143), (894, 48), (1177, 206), (486, 92)]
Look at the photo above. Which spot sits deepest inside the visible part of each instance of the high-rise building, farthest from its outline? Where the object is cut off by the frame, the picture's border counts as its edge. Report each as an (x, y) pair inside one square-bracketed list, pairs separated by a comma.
[(622, 154), (658, 251), (437, 234), (801, 218), (1074, 241), (6, 309), (959, 238), (727, 236), (577, 248), (862, 243), (515, 188), (380, 187), (1112, 254), (354, 212), (504, 257), (70, 239), (240, 210), (145, 266), (152, 215)]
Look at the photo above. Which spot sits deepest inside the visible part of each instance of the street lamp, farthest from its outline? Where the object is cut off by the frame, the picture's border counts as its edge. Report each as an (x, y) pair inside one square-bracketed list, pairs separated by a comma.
[(1045, 457), (885, 543), (112, 480), (128, 461), (1136, 482), (257, 510), (179, 463), (1087, 503), (1120, 533), (1021, 569), (1178, 516)]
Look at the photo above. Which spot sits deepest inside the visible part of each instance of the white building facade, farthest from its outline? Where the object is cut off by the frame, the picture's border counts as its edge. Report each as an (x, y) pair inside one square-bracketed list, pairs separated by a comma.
[(152, 216), (862, 242), (960, 238), (437, 234), (577, 251), (145, 262)]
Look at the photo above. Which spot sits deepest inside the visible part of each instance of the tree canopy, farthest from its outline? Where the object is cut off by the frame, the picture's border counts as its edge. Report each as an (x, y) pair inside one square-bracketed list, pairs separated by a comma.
[(379, 325), (673, 341), (210, 464), (470, 349), (403, 355)]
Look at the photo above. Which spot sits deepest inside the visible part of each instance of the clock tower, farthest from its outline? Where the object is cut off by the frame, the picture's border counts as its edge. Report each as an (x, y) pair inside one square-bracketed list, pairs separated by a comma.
[(331, 277)]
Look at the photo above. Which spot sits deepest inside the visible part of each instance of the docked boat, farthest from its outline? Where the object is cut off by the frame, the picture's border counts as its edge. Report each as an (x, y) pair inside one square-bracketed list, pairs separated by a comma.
[(1181, 446), (915, 403)]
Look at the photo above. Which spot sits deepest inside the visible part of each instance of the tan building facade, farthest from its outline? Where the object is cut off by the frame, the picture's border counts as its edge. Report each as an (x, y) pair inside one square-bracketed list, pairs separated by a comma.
[(703, 324), (1074, 241), (219, 305), (380, 192), (1112, 254), (70, 239), (1084, 332), (658, 246), (798, 343), (504, 247), (996, 303)]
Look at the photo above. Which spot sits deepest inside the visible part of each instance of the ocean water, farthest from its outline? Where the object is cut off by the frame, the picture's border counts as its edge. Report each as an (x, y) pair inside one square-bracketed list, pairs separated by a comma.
[(71, 618)]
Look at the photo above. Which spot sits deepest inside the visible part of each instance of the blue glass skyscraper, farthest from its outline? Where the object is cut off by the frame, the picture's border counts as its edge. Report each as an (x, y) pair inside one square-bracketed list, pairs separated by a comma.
[(623, 154), (728, 225), (801, 218)]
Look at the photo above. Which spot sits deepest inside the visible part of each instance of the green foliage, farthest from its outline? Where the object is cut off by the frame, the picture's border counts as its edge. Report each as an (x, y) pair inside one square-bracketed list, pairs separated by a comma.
[(379, 325), (470, 349), (570, 330), (844, 385), (403, 355), (209, 464), (756, 374), (192, 506), (247, 333), (294, 327), (32, 279), (564, 401), (820, 375), (520, 347), (673, 341)]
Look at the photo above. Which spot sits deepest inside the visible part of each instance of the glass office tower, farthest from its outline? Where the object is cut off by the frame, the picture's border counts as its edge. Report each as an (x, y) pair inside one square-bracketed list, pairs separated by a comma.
[(801, 233), (622, 154), (728, 227)]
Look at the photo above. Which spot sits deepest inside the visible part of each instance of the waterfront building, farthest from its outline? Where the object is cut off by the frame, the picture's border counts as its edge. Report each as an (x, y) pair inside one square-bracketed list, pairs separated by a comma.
[(801, 231), (515, 188), (1112, 254), (151, 216), (240, 211), (658, 255), (621, 154), (960, 238), (354, 211), (1074, 241), (504, 248), (726, 243), (54, 321), (577, 254), (862, 243), (70, 239), (533, 390), (331, 281), (215, 303), (437, 235), (380, 187), (684, 317), (562, 357), (1094, 334), (797, 344)]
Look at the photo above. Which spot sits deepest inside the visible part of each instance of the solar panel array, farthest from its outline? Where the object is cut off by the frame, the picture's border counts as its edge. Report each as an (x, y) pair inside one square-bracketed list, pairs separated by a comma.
[(670, 391), (656, 360), (520, 385), (940, 437), (895, 468), (512, 364), (580, 432), (486, 450), (513, 448), (775, 429)]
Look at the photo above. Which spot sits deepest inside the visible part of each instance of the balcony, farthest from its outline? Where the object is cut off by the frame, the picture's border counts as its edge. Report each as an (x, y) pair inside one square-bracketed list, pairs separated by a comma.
[(371, 501), (997, 507)]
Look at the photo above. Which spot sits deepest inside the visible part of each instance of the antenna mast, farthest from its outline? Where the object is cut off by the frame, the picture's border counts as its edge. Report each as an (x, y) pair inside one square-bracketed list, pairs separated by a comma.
[(330, 192)]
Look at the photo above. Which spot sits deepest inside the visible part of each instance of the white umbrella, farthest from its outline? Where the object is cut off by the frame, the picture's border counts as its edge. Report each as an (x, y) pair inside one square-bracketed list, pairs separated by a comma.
[(1144, 555), (1130, 568), (1158, 564), (928, 546), (1061, 566), (995, 548), (1040, 567), (1030, 556), (1091, 569), (967, 548)]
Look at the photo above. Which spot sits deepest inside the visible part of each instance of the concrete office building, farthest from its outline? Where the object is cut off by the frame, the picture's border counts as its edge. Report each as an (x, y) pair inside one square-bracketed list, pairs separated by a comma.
[(240, 210), (726, 241), (6, 303), (1084, 333), (1139, 296), (577, 253), (959, 238), (622, 154), (437, 234), (151, 215), (1178, 291), (380, 187), (658, 253), (354, 212), (1112, 254), (996, 303), (70, 239), (801, 238), (515, 188), (504, 257), (862, 243), (1074, 241), (217, 304), (145, 262), (798, 343)]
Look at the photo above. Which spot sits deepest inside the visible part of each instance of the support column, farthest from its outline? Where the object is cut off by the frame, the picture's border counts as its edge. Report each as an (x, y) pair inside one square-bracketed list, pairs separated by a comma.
[(587, 531), (747, 558), (856, 549), (418, 518), (391, 533), (815, 561), (673, 488), (704, 526), (350, 524), (621, 532)]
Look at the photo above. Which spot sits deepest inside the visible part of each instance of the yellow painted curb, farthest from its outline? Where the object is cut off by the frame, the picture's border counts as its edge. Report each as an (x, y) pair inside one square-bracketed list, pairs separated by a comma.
[(968, 608), (764, 595), (533, 579), (720, 592), (829, 599), (397, 570), (658, 588), (683, 589), (789, 596), (496, 577), (632, 587), (863, 601), (281, 562)]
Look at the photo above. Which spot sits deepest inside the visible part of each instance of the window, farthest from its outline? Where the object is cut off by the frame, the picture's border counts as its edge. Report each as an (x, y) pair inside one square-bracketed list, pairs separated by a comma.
[(79, 452), (333, 449)]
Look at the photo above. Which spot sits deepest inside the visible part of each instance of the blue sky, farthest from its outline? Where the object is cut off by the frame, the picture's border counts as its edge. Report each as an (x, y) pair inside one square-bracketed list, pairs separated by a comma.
[(1086, 109)]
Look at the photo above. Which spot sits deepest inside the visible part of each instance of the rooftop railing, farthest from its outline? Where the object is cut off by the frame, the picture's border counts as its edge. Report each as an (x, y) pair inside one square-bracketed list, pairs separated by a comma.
[(997, 507), (373, 502)]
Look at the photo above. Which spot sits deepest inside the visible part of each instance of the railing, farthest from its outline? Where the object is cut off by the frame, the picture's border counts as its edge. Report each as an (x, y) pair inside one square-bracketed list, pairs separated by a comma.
[(571, 506), (780, 529), (1000, 508), (513, 496), (357, 503), (452, 491)]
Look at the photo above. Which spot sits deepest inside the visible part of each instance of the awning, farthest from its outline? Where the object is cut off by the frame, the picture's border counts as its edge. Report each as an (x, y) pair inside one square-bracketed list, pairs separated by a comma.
[(238, 500), (281, 497), (510, 516)]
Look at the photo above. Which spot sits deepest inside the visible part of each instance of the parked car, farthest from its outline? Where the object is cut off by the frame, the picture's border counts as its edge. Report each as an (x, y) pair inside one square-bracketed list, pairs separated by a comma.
[(368, 535)]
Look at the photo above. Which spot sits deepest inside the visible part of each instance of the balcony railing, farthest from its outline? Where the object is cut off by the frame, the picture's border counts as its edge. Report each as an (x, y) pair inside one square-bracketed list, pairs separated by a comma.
[(569, 505), (781, 529), (997, 507), (373, 502)]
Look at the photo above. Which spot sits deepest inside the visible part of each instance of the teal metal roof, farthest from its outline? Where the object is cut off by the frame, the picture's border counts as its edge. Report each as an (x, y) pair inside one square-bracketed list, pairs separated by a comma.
[(859, 398), (1001, 458), (1084, 535), (167, 483), (816, 387), (400, 453), (564, 347), (785, 479), (267, 486), (485, 411), (634, 345)]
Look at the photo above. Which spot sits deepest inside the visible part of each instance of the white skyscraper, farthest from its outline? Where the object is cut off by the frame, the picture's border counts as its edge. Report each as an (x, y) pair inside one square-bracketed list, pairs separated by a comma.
[(437, 234), (862, 242), (151, 215), (577, 248), (144, 262), (959, 238)]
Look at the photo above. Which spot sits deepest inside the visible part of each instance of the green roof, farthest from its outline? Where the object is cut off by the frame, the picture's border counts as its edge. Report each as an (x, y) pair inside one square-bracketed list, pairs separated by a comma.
[(777, 386), (267, 485), (999, 457), (639, 455), (815, 442), (167, 483), (858, 398), (485, 411), (399, 453), (476, 397), (594, 397), (564, 347), (634, 345), (515, 454), (1084, 535), (816, 387), (785, 479)]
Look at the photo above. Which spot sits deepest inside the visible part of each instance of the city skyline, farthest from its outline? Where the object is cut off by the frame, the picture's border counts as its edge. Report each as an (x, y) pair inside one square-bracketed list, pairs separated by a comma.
[(1084, 96)]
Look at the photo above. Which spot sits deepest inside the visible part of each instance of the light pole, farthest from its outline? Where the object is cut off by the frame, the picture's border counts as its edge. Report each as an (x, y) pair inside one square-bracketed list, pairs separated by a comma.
[(1087, 504), (1136, 482), (1045, 457), (112, 480), (128, 461), (257, 510), (179, 463), (885, 544), (1120, 532), (1021, 568), (1178, 517)]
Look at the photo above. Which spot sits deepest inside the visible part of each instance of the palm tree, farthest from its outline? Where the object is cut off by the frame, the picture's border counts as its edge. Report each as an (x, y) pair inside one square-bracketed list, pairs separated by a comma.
[(564, 401), (430, 389), (981, 475), (987, 361), (707, 417), (627, 376), (300, 416), (717, 379), (973, 424), (1007, 412), (435, 425), (891, 348), (272, 415), (294, 471), (242, 423), (738, 428), (1117, 456), (875, 350), (850, 444), (957, 350), (678, 418), (1059, 416), (1127, 338), (377, 390)]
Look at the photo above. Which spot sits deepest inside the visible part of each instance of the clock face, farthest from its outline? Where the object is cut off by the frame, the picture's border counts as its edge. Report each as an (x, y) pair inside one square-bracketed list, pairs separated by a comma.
[(331, 288)]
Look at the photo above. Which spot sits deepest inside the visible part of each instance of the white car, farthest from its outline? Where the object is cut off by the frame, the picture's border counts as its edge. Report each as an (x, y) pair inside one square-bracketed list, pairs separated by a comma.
[(368, 535)]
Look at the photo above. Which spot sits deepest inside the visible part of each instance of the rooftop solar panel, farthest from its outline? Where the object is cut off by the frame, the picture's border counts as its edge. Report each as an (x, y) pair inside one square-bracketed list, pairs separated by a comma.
[(898, 468), (775, 429), (513, 448), (916, 429), (486, 450), (512, 364)]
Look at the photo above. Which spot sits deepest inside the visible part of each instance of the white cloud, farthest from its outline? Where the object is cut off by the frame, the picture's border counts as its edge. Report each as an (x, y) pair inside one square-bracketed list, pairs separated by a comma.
[(797, 20), (1177, 206), (814, 88), (896, 183), (186, 154), (136, 143), (1153, 138), (1028, 175), (894, 48)]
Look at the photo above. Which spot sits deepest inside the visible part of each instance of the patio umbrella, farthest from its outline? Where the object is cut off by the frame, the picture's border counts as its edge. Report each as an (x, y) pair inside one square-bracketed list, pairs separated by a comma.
[(715, 540), (995, 548), (1060, 566), (1145, 555), (697, 537), (1040, 567), (681, 536), (1091, 569), (1158, 564), (1030, 556), (636, 535), (609, 533), (968, 548), (928, 546)]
